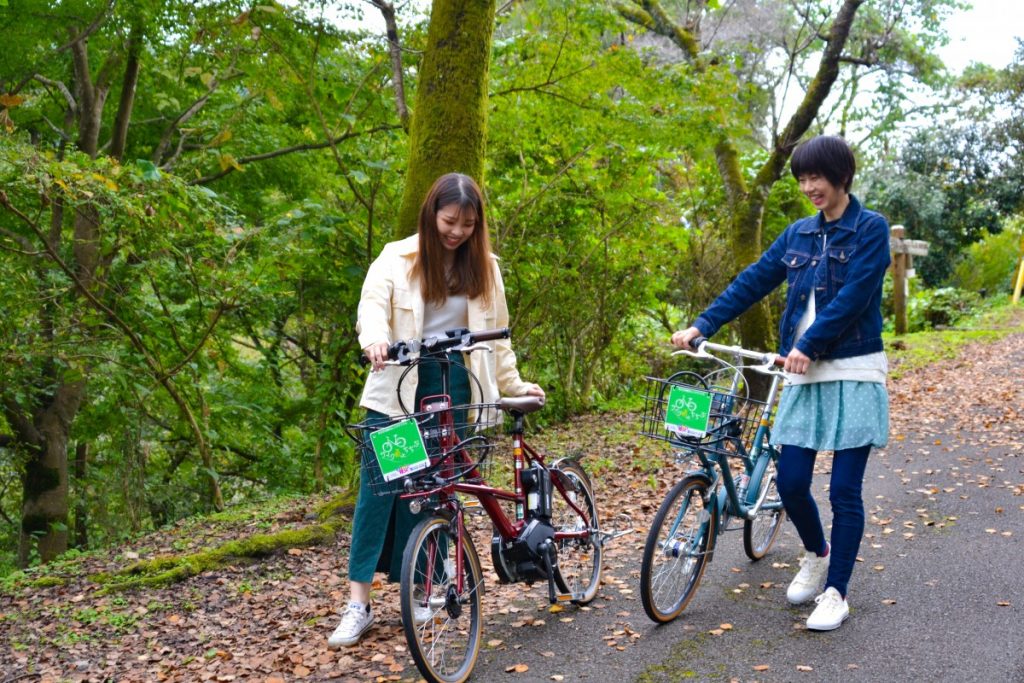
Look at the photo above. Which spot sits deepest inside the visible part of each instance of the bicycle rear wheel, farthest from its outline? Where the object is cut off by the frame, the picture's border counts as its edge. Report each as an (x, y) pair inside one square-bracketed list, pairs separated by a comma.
[(760, 533), (579, 559), (679, 544), (446, 644)]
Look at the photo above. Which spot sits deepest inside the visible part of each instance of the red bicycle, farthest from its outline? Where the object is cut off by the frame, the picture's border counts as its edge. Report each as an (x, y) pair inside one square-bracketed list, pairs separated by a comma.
[(550, 533)]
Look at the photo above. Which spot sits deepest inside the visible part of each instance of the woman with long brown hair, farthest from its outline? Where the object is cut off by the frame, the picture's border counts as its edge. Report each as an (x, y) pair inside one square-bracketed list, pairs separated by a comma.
[(444, 277)]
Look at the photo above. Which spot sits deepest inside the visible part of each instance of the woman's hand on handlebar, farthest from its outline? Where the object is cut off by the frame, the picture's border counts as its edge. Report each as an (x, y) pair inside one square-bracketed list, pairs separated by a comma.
[(682, 338), (796, 362), (376, 354)]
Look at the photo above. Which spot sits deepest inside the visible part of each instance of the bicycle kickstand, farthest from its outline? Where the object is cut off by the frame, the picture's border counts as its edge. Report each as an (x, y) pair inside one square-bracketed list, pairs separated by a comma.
[(550, 558)]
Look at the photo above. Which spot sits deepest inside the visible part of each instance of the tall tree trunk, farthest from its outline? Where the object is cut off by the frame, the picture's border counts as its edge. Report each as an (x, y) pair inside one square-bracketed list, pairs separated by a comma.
[(119, 135), (81, 538), (45, 500), (44, 507), (449, 122)]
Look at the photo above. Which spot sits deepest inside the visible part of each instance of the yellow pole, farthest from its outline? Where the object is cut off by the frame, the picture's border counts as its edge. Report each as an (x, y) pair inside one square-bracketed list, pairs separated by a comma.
[(1020, 281)]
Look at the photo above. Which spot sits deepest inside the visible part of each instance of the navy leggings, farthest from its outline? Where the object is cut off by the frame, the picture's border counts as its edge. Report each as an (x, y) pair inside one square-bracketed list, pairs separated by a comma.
[(796, 467)]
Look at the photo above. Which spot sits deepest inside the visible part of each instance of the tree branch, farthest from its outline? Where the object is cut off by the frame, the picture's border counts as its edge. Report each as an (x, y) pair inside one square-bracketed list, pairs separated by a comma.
[(89, 30), (397, 79), (119, 135), (165, 140), (289, 150), (68, 97)]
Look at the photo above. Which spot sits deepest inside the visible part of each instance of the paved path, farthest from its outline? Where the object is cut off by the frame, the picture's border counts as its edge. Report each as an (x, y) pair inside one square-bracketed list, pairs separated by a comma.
[(938, 595)]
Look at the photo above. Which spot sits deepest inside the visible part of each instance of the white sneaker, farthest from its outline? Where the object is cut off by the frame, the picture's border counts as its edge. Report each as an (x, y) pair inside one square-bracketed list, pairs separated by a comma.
[(830, 613), (355, 621), (808, 581)]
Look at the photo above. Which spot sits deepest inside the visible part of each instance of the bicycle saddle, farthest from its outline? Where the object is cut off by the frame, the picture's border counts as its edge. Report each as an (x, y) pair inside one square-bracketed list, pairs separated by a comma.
[(521, 404)]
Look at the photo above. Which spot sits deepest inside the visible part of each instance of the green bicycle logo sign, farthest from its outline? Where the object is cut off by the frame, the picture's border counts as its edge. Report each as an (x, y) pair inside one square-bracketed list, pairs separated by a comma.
[(393, 447), (687, 411), (399, 449)]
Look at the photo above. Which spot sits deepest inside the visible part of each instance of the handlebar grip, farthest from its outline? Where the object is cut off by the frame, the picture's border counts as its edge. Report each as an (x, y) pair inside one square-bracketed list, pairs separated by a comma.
[(489, 335), (392, 354), (696, 342)]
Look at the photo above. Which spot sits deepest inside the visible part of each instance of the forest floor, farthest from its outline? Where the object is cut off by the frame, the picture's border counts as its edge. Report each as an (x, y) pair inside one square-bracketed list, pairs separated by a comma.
[(269, 620)]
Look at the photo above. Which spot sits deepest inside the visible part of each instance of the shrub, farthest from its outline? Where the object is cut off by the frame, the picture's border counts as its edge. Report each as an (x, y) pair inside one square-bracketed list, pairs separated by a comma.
[(931, 308), (989, 265)]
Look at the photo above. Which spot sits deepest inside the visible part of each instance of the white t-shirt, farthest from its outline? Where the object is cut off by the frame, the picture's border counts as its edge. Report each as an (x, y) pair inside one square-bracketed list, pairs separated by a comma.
[(452, 314)]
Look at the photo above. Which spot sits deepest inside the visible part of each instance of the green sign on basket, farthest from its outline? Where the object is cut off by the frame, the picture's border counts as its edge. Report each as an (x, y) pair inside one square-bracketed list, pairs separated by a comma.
[(688, 411), (399, 449)]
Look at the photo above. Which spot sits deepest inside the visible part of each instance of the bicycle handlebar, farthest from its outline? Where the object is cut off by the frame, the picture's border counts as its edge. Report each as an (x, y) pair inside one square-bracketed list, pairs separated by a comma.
[(702, 345), (401, 351)]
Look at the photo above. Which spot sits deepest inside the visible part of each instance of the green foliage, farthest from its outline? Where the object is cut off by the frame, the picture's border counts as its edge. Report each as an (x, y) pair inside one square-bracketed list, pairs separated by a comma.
[(937, 308), (990, 265)]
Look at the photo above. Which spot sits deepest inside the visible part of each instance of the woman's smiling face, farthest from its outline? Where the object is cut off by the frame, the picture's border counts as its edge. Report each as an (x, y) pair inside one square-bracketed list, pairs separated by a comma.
[(455, 225), (825, 196)]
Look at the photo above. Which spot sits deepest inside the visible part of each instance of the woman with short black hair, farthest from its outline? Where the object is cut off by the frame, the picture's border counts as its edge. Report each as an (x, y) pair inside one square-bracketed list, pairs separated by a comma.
[(834, 398)]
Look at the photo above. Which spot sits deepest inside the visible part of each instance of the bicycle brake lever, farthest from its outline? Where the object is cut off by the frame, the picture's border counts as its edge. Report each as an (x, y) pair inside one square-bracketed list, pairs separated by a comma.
[(479, 346), (694, 354)]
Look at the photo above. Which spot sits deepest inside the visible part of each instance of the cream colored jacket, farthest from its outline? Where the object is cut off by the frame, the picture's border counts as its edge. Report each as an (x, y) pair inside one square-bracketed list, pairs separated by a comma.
[(391, 308)]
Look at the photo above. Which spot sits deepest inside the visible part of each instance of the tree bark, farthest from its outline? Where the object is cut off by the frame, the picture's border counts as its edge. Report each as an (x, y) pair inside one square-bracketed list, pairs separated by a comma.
[(119, 136), (44, 509), (449, 122), (81, 538)]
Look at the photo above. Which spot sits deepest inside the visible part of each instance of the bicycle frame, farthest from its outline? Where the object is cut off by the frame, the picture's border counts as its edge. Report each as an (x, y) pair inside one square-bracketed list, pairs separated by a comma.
[(489, 497), (716, 467)]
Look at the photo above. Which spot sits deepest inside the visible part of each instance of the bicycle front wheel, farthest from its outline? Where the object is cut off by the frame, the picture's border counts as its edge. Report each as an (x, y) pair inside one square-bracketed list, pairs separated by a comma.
[(579, 558), (679, 544), (760, 533), (440, 614)]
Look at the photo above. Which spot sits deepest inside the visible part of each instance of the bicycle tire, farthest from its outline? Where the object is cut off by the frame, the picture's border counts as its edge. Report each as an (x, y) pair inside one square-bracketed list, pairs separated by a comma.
[(759, 534), (679, 544), (445, 647), (579, 561)]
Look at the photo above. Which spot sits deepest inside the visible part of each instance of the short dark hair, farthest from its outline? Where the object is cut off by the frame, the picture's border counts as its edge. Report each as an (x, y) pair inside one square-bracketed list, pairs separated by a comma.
[(826, 155)]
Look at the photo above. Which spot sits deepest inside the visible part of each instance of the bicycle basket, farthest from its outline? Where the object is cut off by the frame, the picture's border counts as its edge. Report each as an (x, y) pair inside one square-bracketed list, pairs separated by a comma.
[(427, 448), (689, 415)]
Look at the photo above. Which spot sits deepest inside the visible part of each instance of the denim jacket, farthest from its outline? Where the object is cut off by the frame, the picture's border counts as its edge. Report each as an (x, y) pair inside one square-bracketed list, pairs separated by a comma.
[(847, 281)]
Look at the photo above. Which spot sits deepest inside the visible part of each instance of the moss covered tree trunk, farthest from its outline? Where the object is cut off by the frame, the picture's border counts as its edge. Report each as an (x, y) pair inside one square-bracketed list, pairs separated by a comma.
[(449, 120)]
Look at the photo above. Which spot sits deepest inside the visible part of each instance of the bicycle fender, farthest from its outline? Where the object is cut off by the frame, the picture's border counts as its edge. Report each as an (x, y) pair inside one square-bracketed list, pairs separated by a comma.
[(555, 467)]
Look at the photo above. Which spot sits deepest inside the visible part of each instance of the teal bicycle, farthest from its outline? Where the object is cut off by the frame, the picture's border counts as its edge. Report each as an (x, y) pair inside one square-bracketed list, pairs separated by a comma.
[(712, 424)]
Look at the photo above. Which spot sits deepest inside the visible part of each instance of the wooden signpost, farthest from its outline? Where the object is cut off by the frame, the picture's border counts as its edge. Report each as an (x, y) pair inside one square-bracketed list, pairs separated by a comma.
[(903, 253)]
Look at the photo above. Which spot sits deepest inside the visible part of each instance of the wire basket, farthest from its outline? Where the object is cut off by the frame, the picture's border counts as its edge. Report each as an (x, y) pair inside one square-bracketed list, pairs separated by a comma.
[(427, 449), (731, 419)]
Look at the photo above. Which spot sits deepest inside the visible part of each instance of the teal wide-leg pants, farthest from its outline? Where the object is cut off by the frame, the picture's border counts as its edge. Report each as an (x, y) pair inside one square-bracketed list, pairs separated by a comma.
[(382, 524)]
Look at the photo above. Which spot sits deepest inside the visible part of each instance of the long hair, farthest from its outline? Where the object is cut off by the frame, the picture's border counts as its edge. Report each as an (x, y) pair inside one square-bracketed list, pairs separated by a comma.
[(471, 272)]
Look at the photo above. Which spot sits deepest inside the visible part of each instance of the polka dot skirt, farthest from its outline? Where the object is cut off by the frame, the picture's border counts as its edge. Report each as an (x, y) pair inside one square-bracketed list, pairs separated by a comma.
[(830, 416)]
